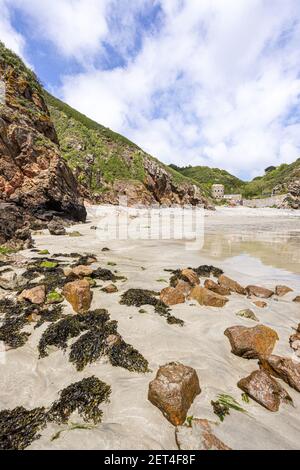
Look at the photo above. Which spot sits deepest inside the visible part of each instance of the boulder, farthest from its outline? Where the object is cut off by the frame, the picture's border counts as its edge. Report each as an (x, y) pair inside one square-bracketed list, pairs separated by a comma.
[(183, 287), (297, 299), (207, 297), (214, 287), (190, 276), (79, 295), (172, 296), (56, 228), (201, 435), (260, 292), (281, 291), (36, 295), (230, 284), (111, 289), (10, 280), (13, 224), (264, 390), (284, 368), (260, 303), (247, 313), (251, 343), (295, 341), (174, 390), (79, 271)]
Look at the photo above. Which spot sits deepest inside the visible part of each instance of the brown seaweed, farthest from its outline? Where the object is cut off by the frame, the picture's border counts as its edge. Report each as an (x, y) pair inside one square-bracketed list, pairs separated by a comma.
[(85, 396)]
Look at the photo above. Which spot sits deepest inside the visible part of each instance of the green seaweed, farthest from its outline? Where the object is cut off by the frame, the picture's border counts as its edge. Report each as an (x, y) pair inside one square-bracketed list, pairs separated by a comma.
[(223, 405), (85, 396), (48, 264)]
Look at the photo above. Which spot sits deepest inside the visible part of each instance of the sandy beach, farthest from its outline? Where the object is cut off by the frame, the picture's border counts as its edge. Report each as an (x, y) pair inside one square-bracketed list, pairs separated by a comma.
[(260, 247)]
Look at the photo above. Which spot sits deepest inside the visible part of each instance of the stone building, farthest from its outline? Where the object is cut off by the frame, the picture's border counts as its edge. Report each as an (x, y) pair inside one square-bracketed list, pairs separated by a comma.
[(217, 191)]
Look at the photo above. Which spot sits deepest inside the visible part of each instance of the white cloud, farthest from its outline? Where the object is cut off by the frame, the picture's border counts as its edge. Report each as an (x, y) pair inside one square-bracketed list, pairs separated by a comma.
[(213, 85), (8, 35)]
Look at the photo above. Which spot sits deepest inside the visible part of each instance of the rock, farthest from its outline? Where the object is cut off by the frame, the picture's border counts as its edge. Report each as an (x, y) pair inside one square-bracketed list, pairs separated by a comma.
[(247, 313), (284, 368), (37, 295), (174, 390), (13, 224), (260, 303), (172, 296), (282, 290), (10, 280), (295, 341), (56, 228), (183, 287), (111, 289), (79, 295), (251, 343), (190, 276), (33, 318), (79, 271), (261, 292), (207, 297), (201, 435), (33, 174), (264, 390), (230, 284), (214, 287), (297, 299)]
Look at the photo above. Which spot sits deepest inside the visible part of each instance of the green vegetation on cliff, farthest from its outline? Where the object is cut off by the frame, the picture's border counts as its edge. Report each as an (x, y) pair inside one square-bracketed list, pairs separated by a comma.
[(206, 177), (275, 178)]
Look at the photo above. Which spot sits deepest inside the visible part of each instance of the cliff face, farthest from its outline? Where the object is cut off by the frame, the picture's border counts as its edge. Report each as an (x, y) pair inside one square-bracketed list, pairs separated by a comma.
[(33, 175), (108, 165)]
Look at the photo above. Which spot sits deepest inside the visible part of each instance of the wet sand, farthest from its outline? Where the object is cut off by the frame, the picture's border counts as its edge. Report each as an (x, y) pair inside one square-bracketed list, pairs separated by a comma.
[(253, 248)]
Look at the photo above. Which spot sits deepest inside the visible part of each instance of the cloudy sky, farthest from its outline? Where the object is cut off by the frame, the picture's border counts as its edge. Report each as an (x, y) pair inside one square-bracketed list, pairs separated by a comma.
[(193, 82)]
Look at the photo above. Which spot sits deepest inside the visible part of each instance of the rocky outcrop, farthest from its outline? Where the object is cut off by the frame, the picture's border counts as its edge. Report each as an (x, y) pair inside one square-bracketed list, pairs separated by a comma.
[(251, 343), (174, 390), (265, 390), (292, 200), (33, 175), (200, 435), (14, 226)]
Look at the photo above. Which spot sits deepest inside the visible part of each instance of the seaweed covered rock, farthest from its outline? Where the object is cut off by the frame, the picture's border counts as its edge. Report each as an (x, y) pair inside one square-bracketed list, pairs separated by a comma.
[(85, 396), (252, 343), (174, 390), (141, 297), (247, 313), (208, 298), (233, 286), (261, 292), (264, 390), (208, 271), (20, 427), (200, 435), (79, 295), (283, 368)]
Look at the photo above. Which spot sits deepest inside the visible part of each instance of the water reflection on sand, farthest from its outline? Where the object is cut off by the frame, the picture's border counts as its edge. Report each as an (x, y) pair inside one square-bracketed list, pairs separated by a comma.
[(277, 248)]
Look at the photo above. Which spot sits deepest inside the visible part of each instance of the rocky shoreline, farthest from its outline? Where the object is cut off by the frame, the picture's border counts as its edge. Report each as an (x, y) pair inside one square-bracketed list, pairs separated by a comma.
[(56, 306)]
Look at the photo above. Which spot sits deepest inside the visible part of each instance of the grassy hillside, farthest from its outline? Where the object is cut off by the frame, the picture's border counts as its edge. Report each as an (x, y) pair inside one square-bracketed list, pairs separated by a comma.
[(206, 177), (98, 155), (278, 178)]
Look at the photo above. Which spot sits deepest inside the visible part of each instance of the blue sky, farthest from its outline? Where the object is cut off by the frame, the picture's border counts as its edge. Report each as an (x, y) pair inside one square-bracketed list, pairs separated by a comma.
[(208, 82)]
